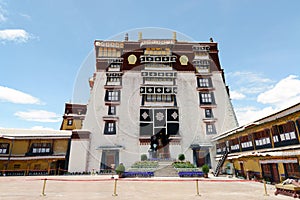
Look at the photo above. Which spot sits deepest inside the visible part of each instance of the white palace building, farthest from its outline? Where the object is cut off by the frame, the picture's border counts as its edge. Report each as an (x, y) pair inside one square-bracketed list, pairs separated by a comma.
[(159, 97)]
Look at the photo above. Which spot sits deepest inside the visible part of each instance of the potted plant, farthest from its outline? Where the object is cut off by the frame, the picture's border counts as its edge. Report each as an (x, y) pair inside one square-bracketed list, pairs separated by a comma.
[(205, 170), (181, 157), (144, 157), (120, 170)]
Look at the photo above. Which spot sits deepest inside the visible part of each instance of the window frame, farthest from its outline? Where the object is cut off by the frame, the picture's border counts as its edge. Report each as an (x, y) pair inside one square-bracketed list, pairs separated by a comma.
[(204, 82), (43, 148), (69, 122), (208, 113), (4, 148), (112, 110), (207, 98), (110, 128), (210, 129), (112, 95)]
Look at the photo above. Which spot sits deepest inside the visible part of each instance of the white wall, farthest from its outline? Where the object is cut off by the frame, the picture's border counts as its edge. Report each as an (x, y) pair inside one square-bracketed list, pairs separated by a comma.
[(78, 155)]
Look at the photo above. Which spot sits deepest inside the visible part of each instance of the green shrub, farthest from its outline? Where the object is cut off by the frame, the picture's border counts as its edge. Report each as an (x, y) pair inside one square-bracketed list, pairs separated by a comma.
[(183, 165), (120, 169), (205, 169), (145, 164), (144, 157), (181, 157)]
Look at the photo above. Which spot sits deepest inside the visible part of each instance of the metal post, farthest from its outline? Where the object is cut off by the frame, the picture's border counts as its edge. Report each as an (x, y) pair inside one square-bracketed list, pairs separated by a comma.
[(197, 188), (44, 187), (115, 188), (265, 188)]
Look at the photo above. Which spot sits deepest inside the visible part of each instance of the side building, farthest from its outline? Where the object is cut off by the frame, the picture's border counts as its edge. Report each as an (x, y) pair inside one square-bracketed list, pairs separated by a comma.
[(73, 116), (33, 152), (159, 97), (268, 148), (80, 140)]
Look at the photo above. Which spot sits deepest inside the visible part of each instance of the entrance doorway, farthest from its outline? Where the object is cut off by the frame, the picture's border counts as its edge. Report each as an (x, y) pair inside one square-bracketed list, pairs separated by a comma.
[(270, 172), (201, 156), (159, 146), (242, 171), (109, 159)]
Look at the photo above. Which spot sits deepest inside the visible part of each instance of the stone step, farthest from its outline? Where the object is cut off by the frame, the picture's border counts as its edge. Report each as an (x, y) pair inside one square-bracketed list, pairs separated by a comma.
[(166, 171)]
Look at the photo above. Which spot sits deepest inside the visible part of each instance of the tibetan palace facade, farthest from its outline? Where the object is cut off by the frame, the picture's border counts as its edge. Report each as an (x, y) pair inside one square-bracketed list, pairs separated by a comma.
[(159, 97), (268, 148)]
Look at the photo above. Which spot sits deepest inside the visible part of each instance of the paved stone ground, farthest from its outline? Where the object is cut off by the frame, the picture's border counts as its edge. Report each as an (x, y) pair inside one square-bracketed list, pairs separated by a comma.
[(102, 187)]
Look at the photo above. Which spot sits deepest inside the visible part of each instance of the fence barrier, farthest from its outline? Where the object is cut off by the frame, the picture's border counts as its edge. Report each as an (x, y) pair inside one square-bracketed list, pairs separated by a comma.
[(197, 188), (115, 180), (265, 188), (44, 187), (115, 188)]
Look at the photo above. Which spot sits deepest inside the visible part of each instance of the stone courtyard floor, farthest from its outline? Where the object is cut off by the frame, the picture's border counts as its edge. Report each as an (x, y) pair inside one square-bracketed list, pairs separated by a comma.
[(102, 187)]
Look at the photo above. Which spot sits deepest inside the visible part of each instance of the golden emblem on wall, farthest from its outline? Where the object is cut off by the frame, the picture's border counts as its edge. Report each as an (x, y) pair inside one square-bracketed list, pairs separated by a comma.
[(132, 59), (184, 60)]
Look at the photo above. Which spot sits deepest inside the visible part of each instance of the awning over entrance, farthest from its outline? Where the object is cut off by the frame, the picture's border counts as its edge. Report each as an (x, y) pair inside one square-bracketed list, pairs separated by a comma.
[(116, 147), (199, 146)]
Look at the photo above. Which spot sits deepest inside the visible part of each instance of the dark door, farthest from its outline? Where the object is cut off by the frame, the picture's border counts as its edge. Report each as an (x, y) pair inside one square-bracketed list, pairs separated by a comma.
[(242, 169), (275, 174), (201, 157), (270, 172), (109, 159)]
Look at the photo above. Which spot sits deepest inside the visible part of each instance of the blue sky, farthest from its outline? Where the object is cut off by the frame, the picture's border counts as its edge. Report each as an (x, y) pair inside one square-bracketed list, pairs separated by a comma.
[(44, 43)]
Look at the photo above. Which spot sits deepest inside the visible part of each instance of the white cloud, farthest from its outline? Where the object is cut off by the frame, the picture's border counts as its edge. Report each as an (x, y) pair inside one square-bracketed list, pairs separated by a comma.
[(236, 95), (38, 116), (16, 96), (250, 76), (14, 35), (248, 82), (285, 93), (249, 114), (2, 14)]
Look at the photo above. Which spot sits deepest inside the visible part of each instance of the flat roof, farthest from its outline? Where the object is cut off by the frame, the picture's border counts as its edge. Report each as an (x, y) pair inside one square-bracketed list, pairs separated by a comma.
[(32, 133)]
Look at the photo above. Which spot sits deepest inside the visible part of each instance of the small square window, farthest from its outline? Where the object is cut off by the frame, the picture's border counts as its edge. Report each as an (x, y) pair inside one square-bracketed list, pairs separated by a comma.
[(204, 82), (4, 148), (110, 128), (111, 110), (208, 113), (210, 129), (206, 98), (70, 122), (112, 95)]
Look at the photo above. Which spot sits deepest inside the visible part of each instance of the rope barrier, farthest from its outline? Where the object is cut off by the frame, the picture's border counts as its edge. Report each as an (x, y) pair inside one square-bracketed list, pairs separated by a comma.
[(139, 180)]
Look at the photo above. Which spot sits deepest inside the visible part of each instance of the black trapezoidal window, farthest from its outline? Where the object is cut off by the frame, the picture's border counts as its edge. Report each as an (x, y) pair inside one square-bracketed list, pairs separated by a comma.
[(110, 128), (112, 95)]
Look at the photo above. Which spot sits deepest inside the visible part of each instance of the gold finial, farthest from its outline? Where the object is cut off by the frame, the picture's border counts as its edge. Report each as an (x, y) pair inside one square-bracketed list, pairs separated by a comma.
[(140, 36)]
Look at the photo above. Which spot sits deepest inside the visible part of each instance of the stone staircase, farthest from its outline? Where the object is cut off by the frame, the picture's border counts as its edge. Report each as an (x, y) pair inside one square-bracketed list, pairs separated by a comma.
[(165, 169)]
